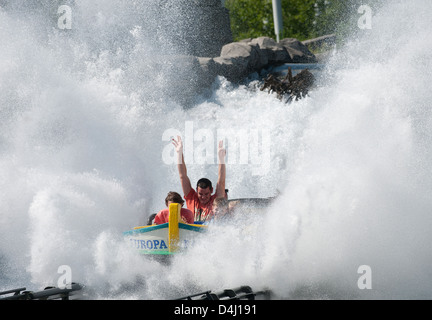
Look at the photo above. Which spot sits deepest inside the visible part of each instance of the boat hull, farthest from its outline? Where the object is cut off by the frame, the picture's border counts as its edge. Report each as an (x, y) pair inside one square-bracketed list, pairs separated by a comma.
[(164, 239)]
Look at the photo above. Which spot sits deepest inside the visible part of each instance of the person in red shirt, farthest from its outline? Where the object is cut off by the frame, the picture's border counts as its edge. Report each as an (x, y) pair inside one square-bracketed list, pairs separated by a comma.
[(200, 202), (162, 216)]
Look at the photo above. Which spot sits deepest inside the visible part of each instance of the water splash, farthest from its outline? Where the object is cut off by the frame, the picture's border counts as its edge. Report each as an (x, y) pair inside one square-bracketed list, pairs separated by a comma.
[(81, 160)]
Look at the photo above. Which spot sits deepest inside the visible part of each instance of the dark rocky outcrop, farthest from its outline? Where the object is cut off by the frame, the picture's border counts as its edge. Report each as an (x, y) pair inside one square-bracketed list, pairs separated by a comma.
[(290, 88), (238, 59)]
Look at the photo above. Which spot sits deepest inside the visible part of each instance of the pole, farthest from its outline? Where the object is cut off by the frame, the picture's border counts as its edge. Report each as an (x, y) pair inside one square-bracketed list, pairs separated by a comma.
[(173, 227), (277, 18)]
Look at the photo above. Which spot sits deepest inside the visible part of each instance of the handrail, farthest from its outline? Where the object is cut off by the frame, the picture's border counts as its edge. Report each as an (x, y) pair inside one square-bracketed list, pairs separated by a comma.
[(240, 293), (48, 293)]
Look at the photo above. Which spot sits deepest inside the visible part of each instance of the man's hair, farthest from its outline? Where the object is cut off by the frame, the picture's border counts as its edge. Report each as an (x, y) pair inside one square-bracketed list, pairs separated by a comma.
[(174, 197), (204, 183)]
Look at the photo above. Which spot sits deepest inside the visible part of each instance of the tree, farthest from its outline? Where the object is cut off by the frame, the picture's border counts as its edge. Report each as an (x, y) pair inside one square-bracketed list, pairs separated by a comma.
[(303, 19), (250, 18)]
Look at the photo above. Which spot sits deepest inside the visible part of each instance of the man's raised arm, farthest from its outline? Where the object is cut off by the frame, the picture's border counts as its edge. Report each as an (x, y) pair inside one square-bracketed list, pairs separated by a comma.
[(220, 186), (184, 179)]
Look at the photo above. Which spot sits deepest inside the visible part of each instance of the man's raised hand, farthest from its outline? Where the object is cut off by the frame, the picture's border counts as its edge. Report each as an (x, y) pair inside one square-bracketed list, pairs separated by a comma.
[(221, 152), (178, 145)]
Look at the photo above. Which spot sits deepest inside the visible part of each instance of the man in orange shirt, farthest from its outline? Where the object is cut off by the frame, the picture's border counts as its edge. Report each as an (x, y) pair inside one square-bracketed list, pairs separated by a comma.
[(185, 214), (200, 202)]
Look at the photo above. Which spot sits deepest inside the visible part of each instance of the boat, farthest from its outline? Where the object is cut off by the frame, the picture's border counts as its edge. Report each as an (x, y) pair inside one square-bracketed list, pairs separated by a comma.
[(167, 238), (175, 236)]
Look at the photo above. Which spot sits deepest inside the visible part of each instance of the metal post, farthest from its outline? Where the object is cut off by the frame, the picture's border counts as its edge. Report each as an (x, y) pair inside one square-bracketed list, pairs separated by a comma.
[(173, 227), (277, 18)]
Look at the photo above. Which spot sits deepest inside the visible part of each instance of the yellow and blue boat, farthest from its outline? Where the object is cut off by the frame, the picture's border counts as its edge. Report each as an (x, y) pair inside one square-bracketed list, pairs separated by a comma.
[(164, 239)]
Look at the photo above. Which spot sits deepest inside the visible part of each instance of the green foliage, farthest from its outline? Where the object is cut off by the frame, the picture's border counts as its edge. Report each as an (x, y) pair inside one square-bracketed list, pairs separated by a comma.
[(302, 19), (250, 18), (254, 18)]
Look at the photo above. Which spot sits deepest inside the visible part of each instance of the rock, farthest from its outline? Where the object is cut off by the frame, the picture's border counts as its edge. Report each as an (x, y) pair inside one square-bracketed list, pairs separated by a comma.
[(191, 74), (207, 64), (234, 69), (298, 52), (209, 70), (243, 51), (252, 55), (241, 57), (274, 52)]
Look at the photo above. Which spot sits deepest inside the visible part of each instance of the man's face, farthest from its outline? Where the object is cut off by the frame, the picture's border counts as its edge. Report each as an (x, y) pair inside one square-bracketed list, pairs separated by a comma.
[(204, 194)]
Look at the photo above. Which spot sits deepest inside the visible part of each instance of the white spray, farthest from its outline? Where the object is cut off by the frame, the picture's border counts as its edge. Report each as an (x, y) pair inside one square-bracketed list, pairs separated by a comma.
[(82, 141)]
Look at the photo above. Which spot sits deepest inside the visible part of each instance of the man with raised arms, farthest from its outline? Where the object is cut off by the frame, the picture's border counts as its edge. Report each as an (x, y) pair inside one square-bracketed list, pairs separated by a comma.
[(200, 202)]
